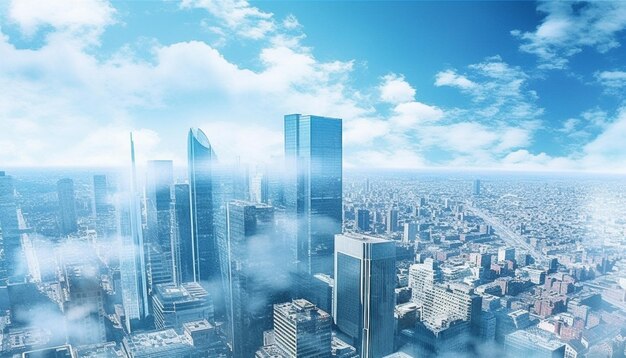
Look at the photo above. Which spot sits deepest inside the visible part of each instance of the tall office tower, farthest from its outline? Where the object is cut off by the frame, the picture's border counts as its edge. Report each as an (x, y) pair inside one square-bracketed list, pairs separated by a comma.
[(363, 220), (246, 258), (184, 247), (392, 220), (313, 189), (11, 243), (175, 305), (364, 302), (506, 254), (100, 195), (132, 256), (84, 305), (476, 187), (302, 330), (67, 206), (159, 180), (410, 232), (200, 162), (422, 278)]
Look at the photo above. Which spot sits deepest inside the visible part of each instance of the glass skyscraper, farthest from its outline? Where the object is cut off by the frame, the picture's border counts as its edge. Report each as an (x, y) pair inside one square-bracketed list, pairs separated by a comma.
[(364, 299), (159, 180), (246, 267), (313, 188), (182, 232), (132, 257), (200, 160)]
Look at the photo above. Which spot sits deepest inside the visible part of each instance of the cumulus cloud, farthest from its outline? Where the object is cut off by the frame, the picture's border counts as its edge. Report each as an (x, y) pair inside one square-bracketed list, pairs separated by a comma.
[(395, 89), (453, 79), (570, 27)]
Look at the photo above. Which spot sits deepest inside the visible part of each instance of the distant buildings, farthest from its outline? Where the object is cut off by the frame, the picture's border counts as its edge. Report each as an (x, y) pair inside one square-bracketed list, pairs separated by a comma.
[(364, 298)]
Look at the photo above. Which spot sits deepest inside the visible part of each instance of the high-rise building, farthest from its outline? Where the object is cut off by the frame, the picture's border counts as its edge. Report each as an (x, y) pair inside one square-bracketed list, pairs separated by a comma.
[(175, 305), (11, 243), (200, 159), (100, 195), (183, 244), (67, 206), (313, 189), (364, 296), (245, 271), (302, 330), (132, 257), (410, 232), (363, 220), (476, 187), (392, 220), (102, 208), (159, 181)]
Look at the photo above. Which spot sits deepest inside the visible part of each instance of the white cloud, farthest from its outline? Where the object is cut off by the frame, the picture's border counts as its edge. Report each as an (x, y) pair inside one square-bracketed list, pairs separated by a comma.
[(395, 89), (613, 81), (237, 16), (569, 27), (86, 18), (451, 78), (410, 114)]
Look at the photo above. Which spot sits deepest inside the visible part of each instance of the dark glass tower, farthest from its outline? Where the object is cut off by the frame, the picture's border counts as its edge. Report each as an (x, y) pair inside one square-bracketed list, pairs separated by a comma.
[(364, 301), (313, 188), (67, 206)]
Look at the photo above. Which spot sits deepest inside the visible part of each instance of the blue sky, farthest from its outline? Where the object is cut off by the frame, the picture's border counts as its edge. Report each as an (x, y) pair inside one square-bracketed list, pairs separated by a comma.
[(499, 85)]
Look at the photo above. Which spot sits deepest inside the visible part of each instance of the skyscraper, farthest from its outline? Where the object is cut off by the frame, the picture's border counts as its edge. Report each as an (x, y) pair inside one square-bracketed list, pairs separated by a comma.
[(11, 243), (67, 206), (313, 188), (392, 220), (159, 180), (364, 302), (246, 265), (476, 187), (205, 255), (100, 195), (132, 257), (363, 220), (184, 243)]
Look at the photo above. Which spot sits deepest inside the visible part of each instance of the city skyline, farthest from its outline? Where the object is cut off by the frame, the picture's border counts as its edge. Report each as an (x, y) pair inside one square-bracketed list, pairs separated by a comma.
[(314, 179), (541, 87)]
